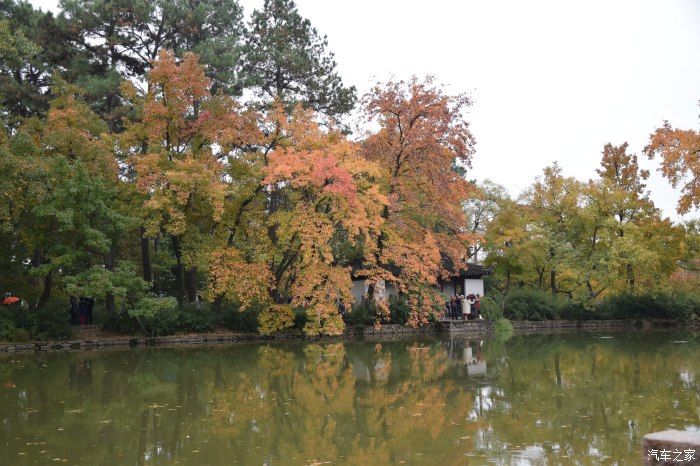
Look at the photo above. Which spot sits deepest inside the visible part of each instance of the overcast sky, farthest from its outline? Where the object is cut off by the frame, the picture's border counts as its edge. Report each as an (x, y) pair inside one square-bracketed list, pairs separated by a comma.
[(551, 80)]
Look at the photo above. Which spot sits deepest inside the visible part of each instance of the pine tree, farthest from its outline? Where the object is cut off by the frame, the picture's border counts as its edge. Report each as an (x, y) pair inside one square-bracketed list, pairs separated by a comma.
[(286, 59)]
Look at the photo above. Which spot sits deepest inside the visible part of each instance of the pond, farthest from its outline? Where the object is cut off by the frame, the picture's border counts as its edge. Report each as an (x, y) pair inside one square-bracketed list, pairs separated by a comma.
[(538, 399)]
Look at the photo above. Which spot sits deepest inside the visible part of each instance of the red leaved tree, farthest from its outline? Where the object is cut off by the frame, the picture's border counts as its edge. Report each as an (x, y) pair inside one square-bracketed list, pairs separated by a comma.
[(423, 146)]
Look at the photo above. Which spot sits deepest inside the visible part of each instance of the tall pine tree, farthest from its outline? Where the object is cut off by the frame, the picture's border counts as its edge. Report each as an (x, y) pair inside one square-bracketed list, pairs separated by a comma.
[(287, 59)]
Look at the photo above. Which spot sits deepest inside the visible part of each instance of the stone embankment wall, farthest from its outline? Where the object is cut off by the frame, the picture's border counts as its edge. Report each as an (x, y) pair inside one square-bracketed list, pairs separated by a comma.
[(385, 332)]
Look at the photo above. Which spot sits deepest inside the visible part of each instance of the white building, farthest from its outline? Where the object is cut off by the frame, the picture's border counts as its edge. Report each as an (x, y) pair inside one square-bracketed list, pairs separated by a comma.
[(468, 281)]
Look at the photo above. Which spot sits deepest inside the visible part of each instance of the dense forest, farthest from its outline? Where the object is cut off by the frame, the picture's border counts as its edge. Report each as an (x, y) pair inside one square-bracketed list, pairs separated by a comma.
[(187, 165)]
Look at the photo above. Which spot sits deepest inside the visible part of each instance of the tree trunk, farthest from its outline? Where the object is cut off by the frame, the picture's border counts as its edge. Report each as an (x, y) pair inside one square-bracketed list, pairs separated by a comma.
[(145, 257), (178, 271), (553, 281), (630, 278), (46, 293), (109, 265), (506, 290), (553, 272), (156, 248), (372, 289), (191, 284)]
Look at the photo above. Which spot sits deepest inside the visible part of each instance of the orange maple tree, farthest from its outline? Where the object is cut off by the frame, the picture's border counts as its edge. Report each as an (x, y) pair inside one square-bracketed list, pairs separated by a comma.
[(680, 161), (327, 191), (174, 149), (422, 144)]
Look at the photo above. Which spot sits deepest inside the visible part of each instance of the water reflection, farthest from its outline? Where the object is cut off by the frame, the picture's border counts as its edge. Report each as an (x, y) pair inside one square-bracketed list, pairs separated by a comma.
[(533, 400)]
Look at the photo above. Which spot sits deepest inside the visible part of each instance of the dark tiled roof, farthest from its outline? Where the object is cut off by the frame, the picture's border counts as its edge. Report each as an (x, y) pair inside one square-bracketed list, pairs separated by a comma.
[(465, 269), (474, 271), (468, 270)]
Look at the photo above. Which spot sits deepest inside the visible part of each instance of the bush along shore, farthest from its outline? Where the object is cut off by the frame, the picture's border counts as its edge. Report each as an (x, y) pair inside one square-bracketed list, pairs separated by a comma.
[(203, 322)]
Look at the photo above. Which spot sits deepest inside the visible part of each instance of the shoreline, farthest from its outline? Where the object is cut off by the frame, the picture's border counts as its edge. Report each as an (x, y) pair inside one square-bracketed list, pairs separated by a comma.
[(389, 331)]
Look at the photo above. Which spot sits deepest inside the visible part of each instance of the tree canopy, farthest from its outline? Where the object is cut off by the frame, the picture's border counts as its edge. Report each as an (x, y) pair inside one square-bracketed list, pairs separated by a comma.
[(159, 153)]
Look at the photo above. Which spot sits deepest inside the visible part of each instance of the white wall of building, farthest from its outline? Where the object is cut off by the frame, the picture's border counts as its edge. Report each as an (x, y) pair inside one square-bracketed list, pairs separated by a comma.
[(359, 290), (473, 286)]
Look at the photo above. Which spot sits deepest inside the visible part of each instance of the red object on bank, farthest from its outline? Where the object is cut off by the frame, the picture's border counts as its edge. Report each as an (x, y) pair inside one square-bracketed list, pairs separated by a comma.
[(10, 300)]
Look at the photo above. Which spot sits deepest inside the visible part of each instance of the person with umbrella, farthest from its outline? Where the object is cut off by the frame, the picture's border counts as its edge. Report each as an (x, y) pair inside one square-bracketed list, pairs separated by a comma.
[(10, 300)]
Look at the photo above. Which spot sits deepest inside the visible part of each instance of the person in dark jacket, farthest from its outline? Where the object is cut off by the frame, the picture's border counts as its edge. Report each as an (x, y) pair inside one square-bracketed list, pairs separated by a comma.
[(73, 310), (83, 306), (91, 304), (456, 307)]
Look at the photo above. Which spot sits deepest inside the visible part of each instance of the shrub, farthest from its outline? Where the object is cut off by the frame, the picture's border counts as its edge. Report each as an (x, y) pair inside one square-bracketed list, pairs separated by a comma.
[(676, 306), (241, 321), (9, 332), (156, 316), (121, 322), (275, 318), (48, 323), (363, 313), (572, 310), (300, 318), (399, 310), (503, 329), (491, 309), (197, 317), (525, 304)]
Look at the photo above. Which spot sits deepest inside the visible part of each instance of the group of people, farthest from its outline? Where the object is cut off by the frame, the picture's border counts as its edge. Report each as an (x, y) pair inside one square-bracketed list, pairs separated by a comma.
[(464, 307), (81, 310)]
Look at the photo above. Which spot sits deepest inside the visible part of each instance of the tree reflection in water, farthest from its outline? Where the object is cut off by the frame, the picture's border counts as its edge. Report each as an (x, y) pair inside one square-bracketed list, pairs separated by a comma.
[(534, 399)]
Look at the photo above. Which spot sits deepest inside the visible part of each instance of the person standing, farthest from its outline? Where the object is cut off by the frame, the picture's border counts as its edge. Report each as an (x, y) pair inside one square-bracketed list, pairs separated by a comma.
[(466, 308), (83, 310), (470, 304), (91, 305), (456, 305), (74, 310)]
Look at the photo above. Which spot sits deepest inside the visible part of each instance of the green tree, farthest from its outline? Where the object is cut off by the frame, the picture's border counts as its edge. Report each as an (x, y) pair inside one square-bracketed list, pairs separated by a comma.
[(481, 211), (554, 204), (62, 204), (121, 39), (286, 59), (26, 72)]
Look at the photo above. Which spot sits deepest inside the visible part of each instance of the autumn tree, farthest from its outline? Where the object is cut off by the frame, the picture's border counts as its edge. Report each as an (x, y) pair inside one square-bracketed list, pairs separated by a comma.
[(554, 203), (422, 135), (289, 256), (509, 247), (171, 151), (679, 150), (621, 174), (61, 204), (584, 240), (122, 39), (329, 195)]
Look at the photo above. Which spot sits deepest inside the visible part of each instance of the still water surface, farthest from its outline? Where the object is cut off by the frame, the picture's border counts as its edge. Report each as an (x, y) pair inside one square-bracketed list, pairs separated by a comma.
[(555, 399)]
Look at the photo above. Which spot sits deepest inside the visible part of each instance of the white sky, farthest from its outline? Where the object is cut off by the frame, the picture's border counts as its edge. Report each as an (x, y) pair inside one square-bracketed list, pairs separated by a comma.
[(551, 79)]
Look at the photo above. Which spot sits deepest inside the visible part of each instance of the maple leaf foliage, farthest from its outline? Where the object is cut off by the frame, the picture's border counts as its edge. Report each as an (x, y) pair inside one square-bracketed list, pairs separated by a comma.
[(680, 162), (422, 139), (329, 189)]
